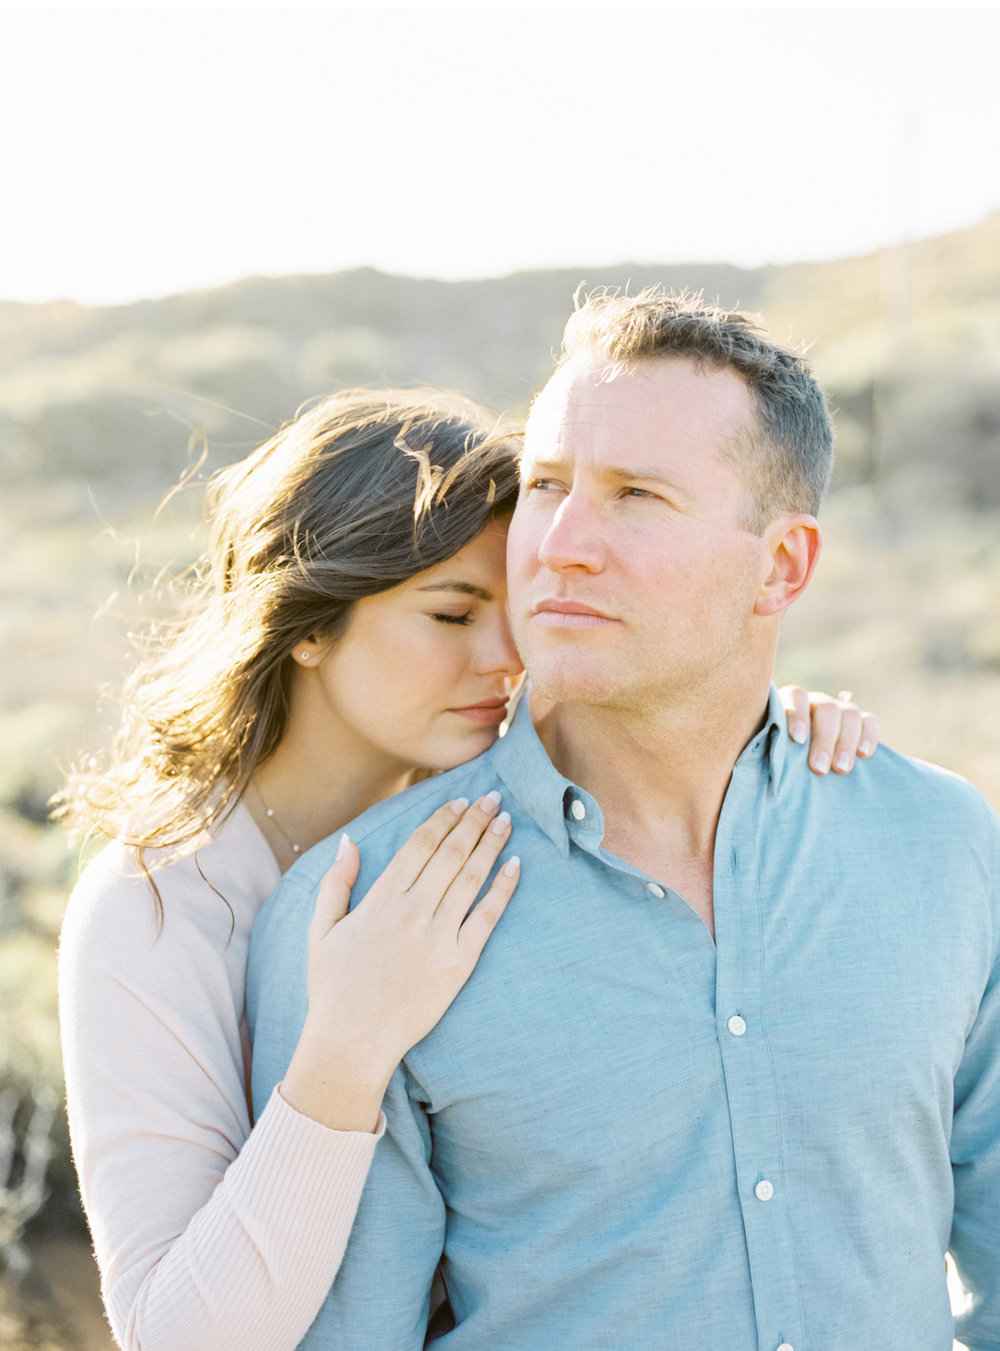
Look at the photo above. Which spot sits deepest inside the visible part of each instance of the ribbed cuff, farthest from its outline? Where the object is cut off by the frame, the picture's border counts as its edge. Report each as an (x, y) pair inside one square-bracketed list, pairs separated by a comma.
[(256, 1262)]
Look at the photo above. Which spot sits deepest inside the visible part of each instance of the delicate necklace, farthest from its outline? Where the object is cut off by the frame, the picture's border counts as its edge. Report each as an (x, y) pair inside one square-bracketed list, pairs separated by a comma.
[(269, 813)]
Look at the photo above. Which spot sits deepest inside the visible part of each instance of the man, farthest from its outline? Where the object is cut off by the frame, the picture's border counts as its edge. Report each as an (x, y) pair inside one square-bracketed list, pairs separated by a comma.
[(624, 1134)]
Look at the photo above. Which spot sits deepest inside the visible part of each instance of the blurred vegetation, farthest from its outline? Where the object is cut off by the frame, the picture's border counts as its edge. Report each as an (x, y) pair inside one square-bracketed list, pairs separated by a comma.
[(102, 411)]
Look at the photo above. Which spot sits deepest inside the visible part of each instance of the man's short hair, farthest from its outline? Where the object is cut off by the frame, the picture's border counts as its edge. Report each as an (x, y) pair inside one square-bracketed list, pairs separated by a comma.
[(785, 461)]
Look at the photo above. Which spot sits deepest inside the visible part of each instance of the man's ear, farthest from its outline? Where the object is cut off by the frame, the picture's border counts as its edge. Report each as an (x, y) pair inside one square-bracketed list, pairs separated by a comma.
[(794, 543)]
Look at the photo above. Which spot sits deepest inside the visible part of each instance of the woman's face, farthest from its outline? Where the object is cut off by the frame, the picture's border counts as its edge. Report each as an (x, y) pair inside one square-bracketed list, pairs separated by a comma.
[(422, 674)]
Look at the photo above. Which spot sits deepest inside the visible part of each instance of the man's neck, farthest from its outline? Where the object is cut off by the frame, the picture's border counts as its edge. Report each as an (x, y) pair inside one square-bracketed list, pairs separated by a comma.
[(659, 777)]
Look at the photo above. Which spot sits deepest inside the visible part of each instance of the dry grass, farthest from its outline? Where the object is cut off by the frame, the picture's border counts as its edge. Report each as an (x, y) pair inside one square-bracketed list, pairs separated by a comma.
[(907, 615)]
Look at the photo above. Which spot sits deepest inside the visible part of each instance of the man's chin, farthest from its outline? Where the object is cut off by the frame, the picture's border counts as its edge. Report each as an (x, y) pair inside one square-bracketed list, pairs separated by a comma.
[(572, 683)]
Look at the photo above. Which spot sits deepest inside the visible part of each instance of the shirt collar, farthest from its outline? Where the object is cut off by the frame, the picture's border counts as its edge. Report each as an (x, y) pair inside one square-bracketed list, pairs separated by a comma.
[(769, 748), (522, 762), (548, 796)]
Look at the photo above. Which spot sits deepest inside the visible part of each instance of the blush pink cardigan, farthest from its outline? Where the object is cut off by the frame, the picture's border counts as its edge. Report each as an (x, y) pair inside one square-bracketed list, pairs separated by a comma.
[(208, 1233)]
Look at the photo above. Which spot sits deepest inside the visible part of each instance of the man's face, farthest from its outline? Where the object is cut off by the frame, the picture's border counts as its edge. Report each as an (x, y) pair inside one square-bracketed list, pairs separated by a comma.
[(630, 575)]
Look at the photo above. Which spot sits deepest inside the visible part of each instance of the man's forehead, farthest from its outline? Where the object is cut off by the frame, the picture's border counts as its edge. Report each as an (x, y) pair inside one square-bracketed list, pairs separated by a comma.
[(644, 396), (573, 400), (586, 370)]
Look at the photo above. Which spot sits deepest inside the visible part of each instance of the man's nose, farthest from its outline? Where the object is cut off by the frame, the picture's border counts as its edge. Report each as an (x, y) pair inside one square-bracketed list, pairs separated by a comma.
[(574, 538)]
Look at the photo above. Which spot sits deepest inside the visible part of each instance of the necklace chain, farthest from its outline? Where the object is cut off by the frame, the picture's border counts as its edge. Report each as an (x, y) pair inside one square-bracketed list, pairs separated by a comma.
[(269, 813)]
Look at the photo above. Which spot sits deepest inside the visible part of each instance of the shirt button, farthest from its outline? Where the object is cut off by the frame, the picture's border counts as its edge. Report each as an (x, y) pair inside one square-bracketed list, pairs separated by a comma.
[(737, 1027), (786, 1346), (763, 1191), (578, 809), (655, 889)]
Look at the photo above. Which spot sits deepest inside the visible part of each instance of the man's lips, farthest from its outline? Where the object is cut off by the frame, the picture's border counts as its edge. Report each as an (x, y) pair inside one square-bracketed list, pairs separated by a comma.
[(568, 614), (491, 712)]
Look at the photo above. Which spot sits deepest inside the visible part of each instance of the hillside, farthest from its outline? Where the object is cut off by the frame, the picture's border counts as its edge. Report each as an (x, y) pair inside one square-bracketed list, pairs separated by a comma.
[(112, 396)]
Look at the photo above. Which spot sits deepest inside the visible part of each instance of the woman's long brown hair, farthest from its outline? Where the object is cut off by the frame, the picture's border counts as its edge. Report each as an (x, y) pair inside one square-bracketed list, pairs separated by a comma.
[(355, 496)]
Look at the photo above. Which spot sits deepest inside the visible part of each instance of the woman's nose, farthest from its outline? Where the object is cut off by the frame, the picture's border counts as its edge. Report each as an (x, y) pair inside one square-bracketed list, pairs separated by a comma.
[(500, 654)]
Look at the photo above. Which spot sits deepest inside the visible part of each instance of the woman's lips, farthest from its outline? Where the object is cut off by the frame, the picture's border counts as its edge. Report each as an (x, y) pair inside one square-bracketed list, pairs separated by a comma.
[(490, 714)]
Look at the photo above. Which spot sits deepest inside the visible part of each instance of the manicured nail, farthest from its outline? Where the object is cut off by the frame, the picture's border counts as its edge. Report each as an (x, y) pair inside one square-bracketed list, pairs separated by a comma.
[(799, 732), (459, 805), (865, 748), (490, 801), (511, 867), (821, 762), (500, 825), (842, 762), (343, 846)]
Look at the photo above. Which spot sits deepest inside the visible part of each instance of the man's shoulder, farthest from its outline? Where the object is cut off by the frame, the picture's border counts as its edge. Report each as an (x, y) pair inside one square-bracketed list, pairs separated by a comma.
[(933, 785), (404, 812), (907, 798)]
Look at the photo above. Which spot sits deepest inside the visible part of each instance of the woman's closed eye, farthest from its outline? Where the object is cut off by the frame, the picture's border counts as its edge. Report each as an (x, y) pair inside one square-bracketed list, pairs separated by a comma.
[(443, 617)]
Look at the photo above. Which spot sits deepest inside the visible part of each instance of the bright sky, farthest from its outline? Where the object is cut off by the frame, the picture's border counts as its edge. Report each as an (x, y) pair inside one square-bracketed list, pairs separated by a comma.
[(152, 150)]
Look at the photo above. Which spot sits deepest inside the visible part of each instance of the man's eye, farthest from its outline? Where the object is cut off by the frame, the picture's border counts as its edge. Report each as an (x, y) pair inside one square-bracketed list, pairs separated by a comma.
[(540, 484), (444, 618), (637, 492)]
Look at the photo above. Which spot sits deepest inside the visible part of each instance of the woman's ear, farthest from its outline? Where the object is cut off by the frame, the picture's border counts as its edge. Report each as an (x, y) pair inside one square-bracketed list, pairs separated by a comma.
[(794, 543), (305, 652)]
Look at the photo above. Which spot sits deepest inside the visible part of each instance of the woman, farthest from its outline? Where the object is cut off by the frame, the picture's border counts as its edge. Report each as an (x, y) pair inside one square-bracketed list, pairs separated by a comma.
[(348, 635)]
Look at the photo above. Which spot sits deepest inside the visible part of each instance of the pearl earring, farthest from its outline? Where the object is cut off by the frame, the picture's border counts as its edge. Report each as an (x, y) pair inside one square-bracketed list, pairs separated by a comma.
[(305, 656)]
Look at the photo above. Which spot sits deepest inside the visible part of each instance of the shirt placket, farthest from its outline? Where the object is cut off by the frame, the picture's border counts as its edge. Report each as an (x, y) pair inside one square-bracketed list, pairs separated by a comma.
[(746, 1058)]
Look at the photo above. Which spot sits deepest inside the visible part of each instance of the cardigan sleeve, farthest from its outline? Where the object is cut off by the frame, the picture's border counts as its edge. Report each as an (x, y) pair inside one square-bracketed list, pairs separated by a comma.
[(208, 1234)]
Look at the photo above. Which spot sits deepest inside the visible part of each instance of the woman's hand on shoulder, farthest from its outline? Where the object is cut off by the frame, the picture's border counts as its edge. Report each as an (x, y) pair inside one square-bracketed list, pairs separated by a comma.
[(838, 729), (382, 975)]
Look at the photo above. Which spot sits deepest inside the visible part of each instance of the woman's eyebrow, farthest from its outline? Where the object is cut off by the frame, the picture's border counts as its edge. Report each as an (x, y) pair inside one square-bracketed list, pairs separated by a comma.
[(466, 588)]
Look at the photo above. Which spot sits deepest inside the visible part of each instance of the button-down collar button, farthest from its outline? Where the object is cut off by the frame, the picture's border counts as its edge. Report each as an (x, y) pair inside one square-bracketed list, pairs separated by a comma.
[(786, 1346), (655, 888), (737, 1027), (578, 809), (763, 1191)]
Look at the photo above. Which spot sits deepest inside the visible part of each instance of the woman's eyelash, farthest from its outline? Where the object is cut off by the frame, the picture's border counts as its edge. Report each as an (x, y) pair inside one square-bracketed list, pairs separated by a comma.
[(452, 619)]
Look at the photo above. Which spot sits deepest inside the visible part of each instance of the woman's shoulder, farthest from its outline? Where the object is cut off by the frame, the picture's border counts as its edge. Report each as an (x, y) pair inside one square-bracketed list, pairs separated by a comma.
[(210, 890)]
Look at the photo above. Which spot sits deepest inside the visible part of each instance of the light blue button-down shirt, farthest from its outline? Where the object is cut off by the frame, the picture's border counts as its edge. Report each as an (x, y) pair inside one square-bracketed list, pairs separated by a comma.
[(622, 1135)]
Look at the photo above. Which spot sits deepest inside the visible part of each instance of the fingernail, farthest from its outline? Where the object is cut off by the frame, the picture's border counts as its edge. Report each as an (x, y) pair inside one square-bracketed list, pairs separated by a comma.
[(342, 847), (459, 805), (821, 762), (501, 823), (865, 748), (842, 762), (490, 801), (512, 866), (799, 732)]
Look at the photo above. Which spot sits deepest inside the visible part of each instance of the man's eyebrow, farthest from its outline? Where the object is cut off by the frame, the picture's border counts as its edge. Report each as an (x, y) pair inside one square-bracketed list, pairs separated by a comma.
[(537, 467), (466, 588), (645, 474)]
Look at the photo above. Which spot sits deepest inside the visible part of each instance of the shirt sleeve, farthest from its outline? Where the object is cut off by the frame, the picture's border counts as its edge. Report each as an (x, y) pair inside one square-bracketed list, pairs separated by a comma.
[(381, 1297), (975, 1153), (208, 1234)]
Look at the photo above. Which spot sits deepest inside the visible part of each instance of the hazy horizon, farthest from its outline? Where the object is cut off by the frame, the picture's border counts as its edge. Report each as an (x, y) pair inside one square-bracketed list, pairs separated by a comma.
[(160, 151)]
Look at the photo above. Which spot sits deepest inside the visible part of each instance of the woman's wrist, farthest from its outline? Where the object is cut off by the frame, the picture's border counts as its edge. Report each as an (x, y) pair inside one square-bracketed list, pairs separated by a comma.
[(340, 1087)]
